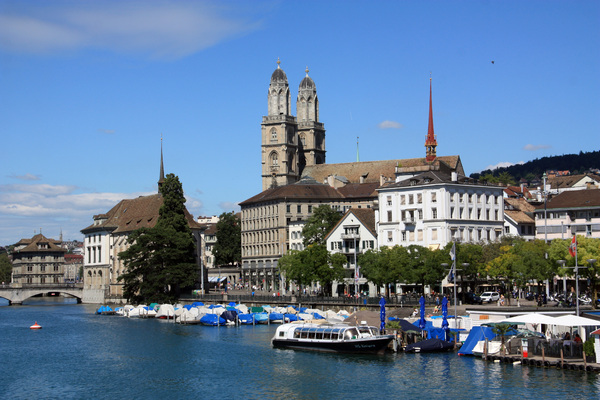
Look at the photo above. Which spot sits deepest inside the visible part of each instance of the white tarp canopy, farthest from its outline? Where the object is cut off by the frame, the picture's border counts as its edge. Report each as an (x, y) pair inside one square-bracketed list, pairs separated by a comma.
[(533, 318), (573, 320)]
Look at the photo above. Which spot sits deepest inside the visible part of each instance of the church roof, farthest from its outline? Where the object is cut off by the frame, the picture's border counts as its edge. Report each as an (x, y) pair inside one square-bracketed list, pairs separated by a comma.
[(372, 170), (278, 75), (131, 214)]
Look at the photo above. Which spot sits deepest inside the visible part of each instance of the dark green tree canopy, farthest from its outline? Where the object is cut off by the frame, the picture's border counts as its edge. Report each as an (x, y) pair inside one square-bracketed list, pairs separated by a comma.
[(322, 220), (5, 268), (161, 261), (228, 249)]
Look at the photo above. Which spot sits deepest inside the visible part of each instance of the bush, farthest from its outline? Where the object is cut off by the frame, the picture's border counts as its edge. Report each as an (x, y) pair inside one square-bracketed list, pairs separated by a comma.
[(588, 347)]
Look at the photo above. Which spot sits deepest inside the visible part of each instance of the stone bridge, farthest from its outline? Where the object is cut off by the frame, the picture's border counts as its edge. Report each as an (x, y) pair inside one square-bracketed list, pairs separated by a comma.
[(16, 295)]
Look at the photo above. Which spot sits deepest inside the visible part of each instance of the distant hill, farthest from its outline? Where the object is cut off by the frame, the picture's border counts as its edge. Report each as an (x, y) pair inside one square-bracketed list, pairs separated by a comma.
[(575, 163)]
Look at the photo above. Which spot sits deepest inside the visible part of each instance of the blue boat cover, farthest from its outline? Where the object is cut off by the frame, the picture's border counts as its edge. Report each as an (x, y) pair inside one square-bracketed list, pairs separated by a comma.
[(291, 317), (275, 316), (229, 315), (197, 304), (477, 334), (212, 319), (246, 319)]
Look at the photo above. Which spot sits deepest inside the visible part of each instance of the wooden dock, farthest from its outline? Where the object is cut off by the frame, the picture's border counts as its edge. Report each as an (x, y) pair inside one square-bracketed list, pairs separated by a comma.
[(574, 364)]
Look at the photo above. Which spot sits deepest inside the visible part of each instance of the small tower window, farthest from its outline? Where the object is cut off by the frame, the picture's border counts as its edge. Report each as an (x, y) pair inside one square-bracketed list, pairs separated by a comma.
[(273, 135)]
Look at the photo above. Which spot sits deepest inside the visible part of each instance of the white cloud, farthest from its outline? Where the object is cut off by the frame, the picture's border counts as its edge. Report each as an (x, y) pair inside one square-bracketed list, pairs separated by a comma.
[(390, 125), (229, 206), (159, 29), (27, 177), (534, 147), (25, 208), (502, 164)]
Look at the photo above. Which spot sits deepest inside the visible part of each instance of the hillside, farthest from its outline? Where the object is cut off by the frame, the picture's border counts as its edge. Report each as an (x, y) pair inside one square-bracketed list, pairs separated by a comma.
[(575, 163)]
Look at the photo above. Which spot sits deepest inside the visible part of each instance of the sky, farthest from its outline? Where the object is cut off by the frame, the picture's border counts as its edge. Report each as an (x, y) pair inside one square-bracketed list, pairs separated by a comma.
[(88, 88)]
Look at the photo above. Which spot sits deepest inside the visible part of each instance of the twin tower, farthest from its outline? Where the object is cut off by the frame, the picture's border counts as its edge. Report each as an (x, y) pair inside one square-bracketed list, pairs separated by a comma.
[(290, 143)]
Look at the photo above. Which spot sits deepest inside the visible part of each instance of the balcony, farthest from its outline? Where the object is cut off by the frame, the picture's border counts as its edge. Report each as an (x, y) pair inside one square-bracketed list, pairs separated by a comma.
[(409, 220), (350, 236)]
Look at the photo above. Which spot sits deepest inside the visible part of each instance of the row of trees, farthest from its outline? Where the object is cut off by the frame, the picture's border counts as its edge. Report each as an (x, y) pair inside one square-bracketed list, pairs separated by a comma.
[(510, 261)]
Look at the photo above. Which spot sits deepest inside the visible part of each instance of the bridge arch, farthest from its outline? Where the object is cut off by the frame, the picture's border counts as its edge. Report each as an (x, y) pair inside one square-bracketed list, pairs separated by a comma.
[(19, 295)]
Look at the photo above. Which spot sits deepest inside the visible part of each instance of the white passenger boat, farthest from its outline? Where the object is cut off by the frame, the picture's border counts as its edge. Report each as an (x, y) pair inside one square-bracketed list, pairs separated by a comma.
[(337, 338)]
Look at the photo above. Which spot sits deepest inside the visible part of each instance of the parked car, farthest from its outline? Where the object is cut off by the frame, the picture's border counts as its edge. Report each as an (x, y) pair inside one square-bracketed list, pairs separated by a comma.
[(488, 297), (472, 298)]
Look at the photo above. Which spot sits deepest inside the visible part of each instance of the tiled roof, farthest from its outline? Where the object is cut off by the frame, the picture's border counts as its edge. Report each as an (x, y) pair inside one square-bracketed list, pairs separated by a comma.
[(519, 204), (372, 170), (308, 188), (429, 178), (519, 216), (131, 214), (516, 191), (32, 245), (565, 182), (574, 199)]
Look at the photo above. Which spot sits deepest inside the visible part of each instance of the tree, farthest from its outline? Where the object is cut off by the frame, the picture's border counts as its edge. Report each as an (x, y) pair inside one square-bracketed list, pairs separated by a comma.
[(313, 264), (228, 249), (322, 220), (386, 266), (425, 266), (5, 268), (160, 262)]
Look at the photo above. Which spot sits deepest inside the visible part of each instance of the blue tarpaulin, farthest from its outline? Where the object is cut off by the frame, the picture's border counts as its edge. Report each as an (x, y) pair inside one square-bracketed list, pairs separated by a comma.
[(477, 334)]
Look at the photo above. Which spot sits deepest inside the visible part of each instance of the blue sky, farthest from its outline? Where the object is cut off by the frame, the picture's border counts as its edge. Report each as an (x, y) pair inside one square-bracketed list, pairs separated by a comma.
[(87, 88)]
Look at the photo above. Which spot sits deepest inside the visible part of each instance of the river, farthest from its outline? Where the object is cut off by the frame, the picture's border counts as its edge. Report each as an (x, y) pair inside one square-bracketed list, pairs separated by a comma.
[(80, 355)]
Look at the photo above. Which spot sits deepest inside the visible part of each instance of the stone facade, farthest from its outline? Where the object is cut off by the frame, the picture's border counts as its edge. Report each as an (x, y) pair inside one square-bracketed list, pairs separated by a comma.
[(38, 261)]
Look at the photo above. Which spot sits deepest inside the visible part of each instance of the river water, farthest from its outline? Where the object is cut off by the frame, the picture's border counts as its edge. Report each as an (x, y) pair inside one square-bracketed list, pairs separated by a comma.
[(80, 355)]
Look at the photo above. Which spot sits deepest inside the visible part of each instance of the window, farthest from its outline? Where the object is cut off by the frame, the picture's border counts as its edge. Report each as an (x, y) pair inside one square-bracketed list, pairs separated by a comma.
[(389, 216), (410, 199), (288, 208), (402, 200), (434, 213), (390, 236), (309, 209), (433, 197), (389, 200), (419, 198), (273, 135), (434, 234), (420, 214), (299, 208), (404, 236), (274, 161)]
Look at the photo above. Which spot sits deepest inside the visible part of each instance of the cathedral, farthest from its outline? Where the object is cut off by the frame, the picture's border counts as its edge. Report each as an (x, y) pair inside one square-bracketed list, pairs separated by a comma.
[(289, 143)]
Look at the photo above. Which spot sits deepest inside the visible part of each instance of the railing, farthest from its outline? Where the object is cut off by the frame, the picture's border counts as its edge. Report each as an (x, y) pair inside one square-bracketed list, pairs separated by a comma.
[(44, 286)]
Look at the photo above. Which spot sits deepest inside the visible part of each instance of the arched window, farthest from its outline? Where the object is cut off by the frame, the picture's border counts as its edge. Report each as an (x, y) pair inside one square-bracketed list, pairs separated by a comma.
[(273, 159), (273, 135)]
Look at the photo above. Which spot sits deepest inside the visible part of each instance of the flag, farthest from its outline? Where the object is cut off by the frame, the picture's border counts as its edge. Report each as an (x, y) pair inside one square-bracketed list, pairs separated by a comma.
[(451, 275), (453, 251), (573, 247)]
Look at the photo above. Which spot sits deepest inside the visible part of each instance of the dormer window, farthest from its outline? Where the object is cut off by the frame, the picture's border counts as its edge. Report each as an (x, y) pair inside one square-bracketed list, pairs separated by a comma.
[(413, 182)]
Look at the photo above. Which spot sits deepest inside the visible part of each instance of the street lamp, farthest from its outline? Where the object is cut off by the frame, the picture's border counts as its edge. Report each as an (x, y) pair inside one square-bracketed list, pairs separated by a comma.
[(576, 268), (562, 264)]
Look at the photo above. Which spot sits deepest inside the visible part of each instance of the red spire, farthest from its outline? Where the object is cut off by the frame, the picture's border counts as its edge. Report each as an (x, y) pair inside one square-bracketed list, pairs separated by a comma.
[(430, 142)]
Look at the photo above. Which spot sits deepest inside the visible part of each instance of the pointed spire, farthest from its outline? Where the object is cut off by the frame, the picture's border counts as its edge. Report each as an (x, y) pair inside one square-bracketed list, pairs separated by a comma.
[(161, 177), (430, 142)]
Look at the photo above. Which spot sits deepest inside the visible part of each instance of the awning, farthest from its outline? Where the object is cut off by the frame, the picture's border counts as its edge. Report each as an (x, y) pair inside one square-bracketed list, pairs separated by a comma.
[(574, 320), (216, 279), (533, 318), (434, 246)]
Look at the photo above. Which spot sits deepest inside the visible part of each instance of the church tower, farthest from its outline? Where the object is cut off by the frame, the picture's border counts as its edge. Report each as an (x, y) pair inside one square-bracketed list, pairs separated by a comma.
[(430, 141), (311, 133), (279, 135)]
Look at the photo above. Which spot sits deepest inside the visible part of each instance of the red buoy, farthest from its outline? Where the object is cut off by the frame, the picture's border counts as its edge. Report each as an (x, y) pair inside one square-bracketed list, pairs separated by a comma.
[(35, 326)]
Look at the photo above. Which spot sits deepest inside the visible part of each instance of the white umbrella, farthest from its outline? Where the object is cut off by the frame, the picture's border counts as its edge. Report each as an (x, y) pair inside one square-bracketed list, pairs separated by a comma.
[(533, 318), (574, 320)]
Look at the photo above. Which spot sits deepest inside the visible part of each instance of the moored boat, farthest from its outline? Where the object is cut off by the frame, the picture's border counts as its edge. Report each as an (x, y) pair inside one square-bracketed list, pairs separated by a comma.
[(429, 346), (337, 338)]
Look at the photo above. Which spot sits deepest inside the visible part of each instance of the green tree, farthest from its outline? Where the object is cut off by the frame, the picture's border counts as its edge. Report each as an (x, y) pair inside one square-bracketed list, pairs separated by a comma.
[(160, 262), (322, 220), (425, 266), (228, 249), (385, 266), (313, 264), (5, 268)]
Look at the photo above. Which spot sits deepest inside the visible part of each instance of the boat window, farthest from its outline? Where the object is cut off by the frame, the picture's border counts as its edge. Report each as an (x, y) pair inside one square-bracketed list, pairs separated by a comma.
[(297, 334), (351, 333), (304, 334)]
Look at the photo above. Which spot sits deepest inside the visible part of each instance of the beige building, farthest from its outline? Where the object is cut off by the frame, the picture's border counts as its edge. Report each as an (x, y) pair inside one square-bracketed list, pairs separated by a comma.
[(267, 216), (38, 261)]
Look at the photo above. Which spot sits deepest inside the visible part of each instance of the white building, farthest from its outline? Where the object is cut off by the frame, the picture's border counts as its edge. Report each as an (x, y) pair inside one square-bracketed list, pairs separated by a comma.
[(569, 213), (353, 235), (437, 207)]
